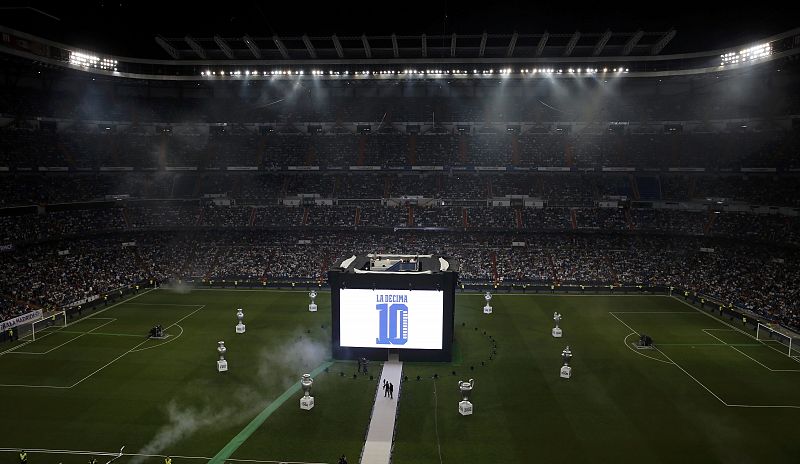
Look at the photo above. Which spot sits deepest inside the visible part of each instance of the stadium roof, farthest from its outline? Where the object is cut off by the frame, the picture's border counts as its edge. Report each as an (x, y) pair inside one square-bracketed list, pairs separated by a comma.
[(368, 29)]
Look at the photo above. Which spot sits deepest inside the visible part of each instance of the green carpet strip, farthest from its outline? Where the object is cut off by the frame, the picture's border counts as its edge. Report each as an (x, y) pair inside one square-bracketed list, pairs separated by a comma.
[(242, 436)]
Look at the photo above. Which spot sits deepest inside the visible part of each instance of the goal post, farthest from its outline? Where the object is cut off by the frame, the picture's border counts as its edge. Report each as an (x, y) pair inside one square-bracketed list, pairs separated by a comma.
[(778, 340), (48, 323)]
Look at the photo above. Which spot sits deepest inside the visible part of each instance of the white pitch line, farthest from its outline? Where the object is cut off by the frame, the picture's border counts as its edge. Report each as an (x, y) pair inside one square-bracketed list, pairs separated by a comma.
[(692, 377), (14, 348), (170, 326), (634, 332), (184, 317), (101, 333), (162, 343), (165, 304), (132, 349), (436, 419), (652, 312), (732, 327), (700, 383), (767, 406), (32, 386), (628, 345), (750, 357), (623, 323), (775, 406), (66, 342), (106, 453), (88, 316), (108, 364)]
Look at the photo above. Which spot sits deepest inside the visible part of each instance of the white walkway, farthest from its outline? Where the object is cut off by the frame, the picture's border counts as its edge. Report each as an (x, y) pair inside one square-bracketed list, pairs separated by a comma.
[(378, 447)]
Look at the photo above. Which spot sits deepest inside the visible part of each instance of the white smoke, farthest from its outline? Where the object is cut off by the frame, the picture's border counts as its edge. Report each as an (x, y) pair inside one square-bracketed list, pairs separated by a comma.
[(280, 365), (177, 287), (277, 369), (184, 421)]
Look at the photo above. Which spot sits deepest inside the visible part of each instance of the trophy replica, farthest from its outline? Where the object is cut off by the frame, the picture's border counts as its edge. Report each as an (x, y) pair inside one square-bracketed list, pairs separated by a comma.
[(488, 308), (313, 306), (557, 329), (240, 325), (566, 355), (307, 401), (222, 364), (464, 406)]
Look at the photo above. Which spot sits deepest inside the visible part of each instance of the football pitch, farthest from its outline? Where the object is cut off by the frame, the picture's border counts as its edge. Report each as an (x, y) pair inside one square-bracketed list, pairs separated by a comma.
[(708, 392)]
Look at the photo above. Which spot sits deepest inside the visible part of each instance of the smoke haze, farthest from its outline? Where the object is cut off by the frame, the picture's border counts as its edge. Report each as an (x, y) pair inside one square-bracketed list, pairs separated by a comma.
[(277, 369)]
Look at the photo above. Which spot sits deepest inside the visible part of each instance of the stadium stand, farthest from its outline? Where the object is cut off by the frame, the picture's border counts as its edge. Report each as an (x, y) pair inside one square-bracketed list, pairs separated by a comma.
[(698, 192)]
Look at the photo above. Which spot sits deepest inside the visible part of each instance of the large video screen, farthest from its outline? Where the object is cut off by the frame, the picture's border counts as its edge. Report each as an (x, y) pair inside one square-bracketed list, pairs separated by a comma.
[(404, 319)]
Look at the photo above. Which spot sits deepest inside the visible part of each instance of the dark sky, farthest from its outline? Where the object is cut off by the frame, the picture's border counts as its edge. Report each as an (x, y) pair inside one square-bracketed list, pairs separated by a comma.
[(127, 27)]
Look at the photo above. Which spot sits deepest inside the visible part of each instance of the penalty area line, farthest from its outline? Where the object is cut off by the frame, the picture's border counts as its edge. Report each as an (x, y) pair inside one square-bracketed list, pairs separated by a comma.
[(101, 333), (108, 364), (750, 357), (732, 327), (134, 349), (82, 334), (730, 405), (88, 316)]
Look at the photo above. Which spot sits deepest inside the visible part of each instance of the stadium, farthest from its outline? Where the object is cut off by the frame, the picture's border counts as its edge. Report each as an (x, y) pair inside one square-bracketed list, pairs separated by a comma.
[(512, 235)]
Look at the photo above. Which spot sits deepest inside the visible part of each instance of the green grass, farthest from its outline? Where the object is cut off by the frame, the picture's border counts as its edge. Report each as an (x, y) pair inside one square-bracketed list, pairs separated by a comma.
[(699, 398)]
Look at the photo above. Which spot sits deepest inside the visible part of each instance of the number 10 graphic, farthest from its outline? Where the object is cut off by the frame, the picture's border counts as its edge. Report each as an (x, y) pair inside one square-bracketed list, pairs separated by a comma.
[(392, 324)]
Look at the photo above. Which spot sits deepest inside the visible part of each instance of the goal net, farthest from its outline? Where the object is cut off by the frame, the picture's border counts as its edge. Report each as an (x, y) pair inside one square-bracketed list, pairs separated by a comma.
[(48, 323), (778, 340)]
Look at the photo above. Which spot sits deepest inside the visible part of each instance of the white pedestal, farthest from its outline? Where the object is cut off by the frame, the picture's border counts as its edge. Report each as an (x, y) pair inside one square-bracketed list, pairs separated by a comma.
[(239, 328), (312, 307), (465, 408), (557, 332), (222, 366), (487, 309), (566, 372), (306, 402)]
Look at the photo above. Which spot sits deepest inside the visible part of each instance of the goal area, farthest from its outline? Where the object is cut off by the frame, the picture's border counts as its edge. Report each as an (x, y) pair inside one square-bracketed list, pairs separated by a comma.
[(41, 327), (779, 340)]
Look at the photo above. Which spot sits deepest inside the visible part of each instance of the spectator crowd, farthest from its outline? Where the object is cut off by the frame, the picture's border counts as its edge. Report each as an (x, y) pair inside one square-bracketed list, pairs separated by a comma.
[(757, 276)]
